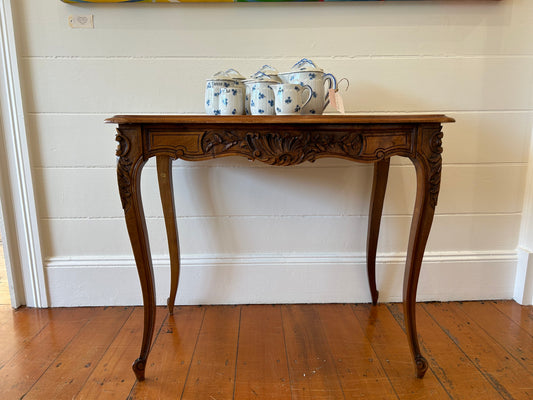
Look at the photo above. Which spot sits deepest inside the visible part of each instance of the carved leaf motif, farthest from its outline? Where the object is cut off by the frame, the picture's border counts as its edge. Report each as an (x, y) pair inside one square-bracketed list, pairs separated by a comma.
[(282, 148), (124, 165), (278, 149), (221, 141), (435, 166)]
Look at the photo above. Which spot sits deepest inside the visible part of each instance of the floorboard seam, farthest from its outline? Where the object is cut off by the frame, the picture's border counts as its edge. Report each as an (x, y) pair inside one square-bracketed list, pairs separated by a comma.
[(237, 352), (374, 351), (492, 381), (57, 356), (192, 355)]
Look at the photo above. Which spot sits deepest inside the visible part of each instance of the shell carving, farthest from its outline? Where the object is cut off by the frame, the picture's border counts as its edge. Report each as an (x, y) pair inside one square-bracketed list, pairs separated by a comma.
[(282, 148)]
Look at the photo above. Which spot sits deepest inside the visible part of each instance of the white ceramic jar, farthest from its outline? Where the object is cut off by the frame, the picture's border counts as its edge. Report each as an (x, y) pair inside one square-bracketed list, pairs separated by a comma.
[(231, 101), (222, 79), (259, 99)]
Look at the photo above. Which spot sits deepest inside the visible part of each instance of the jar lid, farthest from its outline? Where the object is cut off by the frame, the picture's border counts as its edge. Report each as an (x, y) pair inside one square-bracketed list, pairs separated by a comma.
[(268, 70), (234, 74), (262, 77), (305, 65), (228, 75)]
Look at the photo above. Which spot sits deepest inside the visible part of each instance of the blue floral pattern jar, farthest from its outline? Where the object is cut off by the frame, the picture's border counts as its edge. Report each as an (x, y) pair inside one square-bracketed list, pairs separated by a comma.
[(259, 95), (222, 79)]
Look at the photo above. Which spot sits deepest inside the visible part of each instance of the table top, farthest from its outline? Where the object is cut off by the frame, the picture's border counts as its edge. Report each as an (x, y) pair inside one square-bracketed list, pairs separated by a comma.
[(280, 119)]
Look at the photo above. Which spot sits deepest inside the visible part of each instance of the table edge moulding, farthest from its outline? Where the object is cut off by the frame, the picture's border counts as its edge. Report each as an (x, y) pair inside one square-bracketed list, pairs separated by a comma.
[(281, 141)]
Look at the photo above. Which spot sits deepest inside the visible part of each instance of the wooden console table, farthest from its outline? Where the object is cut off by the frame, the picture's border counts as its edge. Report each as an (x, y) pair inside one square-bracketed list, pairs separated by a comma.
[(283, 141)]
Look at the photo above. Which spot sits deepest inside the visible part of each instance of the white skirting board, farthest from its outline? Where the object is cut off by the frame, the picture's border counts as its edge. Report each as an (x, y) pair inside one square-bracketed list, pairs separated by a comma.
[(523, 291), (248, 279)]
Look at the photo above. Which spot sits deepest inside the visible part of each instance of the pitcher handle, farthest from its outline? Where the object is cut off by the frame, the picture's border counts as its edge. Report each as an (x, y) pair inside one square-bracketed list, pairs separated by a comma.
[(332, 84), (310, 94)]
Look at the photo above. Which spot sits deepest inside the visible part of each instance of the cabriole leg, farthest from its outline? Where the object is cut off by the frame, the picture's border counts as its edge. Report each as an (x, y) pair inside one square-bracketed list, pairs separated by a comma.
[(428, 164), (379, 185), (164, 176), (129, 167)]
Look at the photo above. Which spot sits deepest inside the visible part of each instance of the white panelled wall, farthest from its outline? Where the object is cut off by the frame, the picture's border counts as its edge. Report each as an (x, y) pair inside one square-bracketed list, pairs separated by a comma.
[(253, 233)]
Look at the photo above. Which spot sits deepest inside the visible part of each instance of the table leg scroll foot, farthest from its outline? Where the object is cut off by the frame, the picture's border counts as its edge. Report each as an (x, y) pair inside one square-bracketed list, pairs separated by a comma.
[(421, 366), (138, 368)]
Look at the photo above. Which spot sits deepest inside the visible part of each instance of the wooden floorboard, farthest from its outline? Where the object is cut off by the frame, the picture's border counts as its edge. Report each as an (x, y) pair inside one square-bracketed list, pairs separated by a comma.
[(211, 375), (457, 374), (475, 350), (69, 372), (39, 353), (171, 355), (262, 370), (390, 345), (111, 377), (360, 373), (503, 330), (522, 316), (19, 327), (311, 366), (511, 379)]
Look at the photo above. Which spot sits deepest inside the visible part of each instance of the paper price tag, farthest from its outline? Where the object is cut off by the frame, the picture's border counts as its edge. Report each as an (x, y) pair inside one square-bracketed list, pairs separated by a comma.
[(335, 99), (332, 99), (340, 103)]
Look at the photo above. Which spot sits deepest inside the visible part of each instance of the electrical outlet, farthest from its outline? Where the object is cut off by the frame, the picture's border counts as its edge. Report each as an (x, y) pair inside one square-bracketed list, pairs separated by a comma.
[(81, 21)]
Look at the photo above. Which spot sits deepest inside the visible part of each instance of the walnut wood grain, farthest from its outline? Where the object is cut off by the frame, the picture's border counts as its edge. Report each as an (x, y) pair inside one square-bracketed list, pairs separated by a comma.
[(279, 119), (428, 163), (379, 186), (280, 141), (281, 145), (129, 167), (166, 190)]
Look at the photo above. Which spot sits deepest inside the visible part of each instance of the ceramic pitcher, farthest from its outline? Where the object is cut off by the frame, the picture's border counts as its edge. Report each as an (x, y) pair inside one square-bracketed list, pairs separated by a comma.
[(290, 99), (305, 72)]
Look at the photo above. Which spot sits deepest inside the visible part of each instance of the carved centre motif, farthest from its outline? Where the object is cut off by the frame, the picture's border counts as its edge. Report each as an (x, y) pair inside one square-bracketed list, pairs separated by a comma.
[(282, 148)]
